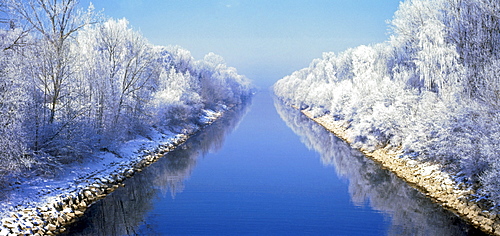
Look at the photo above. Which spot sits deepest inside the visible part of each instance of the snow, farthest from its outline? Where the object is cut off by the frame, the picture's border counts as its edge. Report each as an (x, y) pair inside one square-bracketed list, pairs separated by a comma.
[(94, 100), (35, 191), (430, 90), (208, 115)]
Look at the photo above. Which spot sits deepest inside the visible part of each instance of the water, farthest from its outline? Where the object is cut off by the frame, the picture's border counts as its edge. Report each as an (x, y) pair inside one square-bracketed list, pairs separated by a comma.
[(257, 172)]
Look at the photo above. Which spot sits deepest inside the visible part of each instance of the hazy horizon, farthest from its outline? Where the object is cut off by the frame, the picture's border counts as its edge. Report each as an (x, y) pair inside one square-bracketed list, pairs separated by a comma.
[(264, 40)]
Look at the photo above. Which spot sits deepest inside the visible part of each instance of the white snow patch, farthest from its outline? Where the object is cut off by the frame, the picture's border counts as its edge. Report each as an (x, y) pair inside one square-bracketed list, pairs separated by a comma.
[(32, 192)]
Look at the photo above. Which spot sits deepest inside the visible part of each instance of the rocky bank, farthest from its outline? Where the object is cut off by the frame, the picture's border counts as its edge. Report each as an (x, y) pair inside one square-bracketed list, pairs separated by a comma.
[(52, 215), (427, 178)]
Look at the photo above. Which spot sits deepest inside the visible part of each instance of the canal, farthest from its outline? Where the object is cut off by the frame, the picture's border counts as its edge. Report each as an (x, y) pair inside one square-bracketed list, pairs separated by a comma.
[(265, 169)]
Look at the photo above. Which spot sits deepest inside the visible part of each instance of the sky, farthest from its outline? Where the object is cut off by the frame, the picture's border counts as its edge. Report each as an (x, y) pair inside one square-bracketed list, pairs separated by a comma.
[(264, 40)]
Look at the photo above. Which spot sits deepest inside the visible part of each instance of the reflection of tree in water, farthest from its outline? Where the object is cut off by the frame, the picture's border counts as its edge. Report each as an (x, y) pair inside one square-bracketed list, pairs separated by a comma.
[(411, 212), (121, 212)]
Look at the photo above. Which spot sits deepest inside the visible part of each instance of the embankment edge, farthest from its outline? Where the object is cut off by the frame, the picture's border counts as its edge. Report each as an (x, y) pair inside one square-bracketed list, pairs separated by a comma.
[(53, 216), (427, 178)]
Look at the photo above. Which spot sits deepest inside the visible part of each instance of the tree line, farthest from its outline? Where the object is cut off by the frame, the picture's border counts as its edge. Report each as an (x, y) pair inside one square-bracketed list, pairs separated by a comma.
[(432, 89), (73, 82)]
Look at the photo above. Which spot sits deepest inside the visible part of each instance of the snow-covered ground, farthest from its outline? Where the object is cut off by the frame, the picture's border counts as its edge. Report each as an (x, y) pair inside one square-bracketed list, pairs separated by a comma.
[(85, 107), (33, 192)]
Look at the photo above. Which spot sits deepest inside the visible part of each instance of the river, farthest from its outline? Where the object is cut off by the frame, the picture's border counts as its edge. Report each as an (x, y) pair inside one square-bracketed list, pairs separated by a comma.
[(265, 169)]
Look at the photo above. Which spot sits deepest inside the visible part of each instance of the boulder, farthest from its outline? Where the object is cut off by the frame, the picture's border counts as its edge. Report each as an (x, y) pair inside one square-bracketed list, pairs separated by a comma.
[(51, 227), (78, 213), (82, 204), (62, 219)]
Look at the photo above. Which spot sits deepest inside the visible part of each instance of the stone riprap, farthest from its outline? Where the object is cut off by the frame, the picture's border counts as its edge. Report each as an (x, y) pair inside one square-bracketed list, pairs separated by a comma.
[(54, 214), (52, 217), (427, 178)]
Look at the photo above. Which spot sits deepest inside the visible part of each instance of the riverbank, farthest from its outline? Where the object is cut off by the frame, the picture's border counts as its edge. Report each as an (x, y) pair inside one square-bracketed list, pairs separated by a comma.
[(47, 208), (427, 178)]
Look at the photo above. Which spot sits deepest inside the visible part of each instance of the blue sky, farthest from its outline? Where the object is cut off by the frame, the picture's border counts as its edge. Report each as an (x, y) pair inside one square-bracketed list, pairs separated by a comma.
[(264, 39)]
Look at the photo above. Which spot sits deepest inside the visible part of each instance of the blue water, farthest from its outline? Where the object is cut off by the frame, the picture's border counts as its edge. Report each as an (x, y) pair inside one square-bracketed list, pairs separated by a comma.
[(257, 172)]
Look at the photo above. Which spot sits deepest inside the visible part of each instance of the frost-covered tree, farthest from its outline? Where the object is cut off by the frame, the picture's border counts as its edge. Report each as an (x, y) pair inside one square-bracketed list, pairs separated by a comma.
[(176, 98), (131, 60), (14, 102), (72, 83), (56, 21), (432, 90)]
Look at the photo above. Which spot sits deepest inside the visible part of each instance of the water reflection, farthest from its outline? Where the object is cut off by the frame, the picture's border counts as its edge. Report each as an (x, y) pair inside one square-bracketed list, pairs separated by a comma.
[(410, 211), (123, 211)]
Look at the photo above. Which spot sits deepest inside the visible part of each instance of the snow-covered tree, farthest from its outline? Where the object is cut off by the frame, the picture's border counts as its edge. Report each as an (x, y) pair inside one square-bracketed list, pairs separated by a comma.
[(432, 90), (56, 21), (72, 83)]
